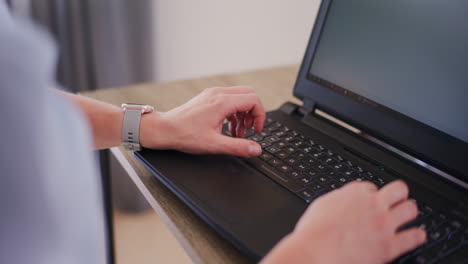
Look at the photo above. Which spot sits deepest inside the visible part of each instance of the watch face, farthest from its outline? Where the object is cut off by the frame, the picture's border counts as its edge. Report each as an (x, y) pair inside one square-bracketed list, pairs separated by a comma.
[(144, 108)]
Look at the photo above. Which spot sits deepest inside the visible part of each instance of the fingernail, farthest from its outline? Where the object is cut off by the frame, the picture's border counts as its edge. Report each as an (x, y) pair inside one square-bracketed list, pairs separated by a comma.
[(254, 149), (423, 236)]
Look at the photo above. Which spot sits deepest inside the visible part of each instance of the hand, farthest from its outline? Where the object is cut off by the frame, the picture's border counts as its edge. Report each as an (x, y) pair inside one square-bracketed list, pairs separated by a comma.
[(354, 224), (195, 127)]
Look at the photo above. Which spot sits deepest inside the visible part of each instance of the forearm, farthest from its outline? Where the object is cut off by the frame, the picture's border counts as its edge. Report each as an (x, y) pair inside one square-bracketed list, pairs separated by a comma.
[(104, 119)]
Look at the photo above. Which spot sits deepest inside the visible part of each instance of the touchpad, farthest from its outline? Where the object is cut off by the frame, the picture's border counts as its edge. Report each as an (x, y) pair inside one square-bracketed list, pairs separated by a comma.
[(226, 185)]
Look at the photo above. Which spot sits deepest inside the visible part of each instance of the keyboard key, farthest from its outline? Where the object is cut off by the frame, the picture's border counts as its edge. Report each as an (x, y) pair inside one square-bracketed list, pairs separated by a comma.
[(302, 167), (317, 155), (306, 194), (367, 175), (291, 161), (339, 158), (430, 223), (284, 168), (439, 233), (316, 186), (323, 178), (332, 184), (294, 175), (358, 169), (299, 154), (290, 150), (322, 157), (281, 144), (304, 181), (297, 143), (264, 144), (272, 139), (350, 173), (273, 124), (425, 210), (282, 155), (306, 149), (309, 161), (311, 173), (322, 168), (280, 133), (343, 180), (380, 182), (272, 149), (330, 161), (275, 162), (256, 138), (441, 217), (339, 167), (456, 224), (266, 156)]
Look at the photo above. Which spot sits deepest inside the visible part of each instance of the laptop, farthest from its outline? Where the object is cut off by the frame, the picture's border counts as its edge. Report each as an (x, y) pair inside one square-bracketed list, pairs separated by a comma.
[(384, 91)]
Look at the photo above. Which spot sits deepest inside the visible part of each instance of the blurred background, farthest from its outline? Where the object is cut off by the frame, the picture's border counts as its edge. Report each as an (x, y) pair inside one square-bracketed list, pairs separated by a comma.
[(111, 43)]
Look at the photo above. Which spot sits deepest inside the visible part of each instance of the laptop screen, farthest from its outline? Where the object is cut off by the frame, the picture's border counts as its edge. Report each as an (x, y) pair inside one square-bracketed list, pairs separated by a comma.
[(410, 56)]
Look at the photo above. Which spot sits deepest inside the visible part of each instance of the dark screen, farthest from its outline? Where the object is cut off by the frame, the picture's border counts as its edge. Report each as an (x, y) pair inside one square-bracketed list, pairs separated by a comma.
[(408, 55)]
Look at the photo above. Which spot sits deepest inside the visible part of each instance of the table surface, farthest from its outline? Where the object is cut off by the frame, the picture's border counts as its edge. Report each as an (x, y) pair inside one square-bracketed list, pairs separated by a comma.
[(202, 244)]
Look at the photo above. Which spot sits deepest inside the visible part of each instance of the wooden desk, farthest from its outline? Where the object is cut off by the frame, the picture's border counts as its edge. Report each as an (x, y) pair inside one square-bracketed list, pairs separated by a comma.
[(202, 244)]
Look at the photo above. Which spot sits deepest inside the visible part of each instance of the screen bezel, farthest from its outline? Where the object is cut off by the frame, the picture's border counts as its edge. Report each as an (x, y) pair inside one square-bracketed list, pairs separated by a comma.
[(428, 144)]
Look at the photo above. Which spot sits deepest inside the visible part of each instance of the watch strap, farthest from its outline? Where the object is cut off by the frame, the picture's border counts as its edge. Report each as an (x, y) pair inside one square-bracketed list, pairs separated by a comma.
[(131, 129)]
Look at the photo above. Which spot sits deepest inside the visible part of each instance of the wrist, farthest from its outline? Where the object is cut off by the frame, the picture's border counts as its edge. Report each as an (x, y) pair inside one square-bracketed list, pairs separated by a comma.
[(154, 131)]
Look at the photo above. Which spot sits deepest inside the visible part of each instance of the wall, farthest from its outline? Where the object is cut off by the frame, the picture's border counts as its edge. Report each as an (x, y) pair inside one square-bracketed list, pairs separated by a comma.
[(206, 37)]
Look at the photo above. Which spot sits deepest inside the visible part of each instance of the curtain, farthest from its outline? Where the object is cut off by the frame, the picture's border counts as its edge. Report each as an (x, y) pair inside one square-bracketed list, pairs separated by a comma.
[(102, 43)]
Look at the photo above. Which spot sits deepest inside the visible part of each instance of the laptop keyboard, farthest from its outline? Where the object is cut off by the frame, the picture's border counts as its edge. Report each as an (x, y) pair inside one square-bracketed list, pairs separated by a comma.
[(304, 166), (309, 170)]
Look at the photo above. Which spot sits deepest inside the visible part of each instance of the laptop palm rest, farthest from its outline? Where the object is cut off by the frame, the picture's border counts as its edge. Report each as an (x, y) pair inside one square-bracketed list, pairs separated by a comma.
[(241, 204)]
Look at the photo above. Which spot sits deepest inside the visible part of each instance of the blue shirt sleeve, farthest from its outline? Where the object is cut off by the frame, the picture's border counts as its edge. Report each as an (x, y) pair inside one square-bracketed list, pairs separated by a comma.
[(50, 192)]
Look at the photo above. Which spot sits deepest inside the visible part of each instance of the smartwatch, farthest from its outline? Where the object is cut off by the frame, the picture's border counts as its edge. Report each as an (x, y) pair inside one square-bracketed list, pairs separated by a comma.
[(131, 124)]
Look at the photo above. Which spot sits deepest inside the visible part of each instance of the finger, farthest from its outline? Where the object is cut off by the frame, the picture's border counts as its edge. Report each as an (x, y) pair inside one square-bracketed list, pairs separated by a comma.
[(242, 89), (232, 125), (367, 185), (405, 241), (236, 146), (393, 193), (259, 119), (240, 130), (403, 213), (245, 103), (248, 121)]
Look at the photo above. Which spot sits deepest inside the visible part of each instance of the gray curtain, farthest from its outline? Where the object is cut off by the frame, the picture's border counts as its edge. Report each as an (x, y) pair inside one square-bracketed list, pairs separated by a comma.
[(103, 43)]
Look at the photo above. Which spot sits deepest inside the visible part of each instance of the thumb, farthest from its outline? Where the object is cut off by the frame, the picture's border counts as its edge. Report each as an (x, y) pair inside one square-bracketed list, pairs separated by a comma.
[(237, 146)]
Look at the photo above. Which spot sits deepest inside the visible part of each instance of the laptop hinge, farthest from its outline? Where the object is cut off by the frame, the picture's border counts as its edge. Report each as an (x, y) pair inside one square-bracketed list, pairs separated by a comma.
[(304, 111), (306, 108), (288, 108), (292, 108)]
